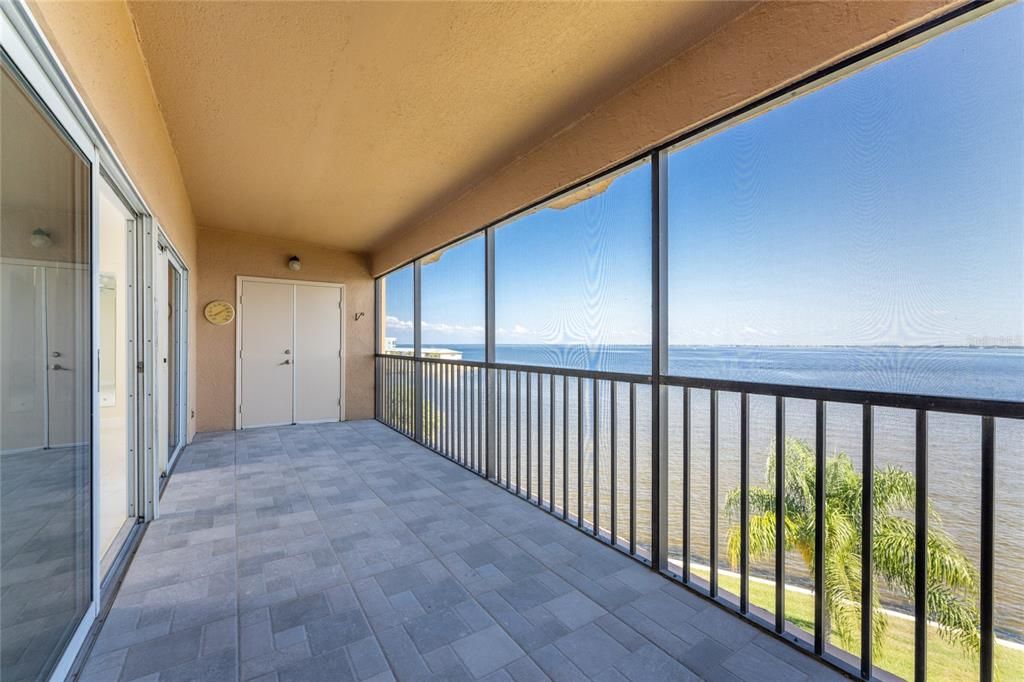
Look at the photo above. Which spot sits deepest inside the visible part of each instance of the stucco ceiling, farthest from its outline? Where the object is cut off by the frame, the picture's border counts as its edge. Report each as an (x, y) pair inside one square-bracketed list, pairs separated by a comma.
[(339, 123)]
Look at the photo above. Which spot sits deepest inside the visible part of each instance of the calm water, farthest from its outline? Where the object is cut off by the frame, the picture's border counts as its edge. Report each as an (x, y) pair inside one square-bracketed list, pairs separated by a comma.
[(953, 442)]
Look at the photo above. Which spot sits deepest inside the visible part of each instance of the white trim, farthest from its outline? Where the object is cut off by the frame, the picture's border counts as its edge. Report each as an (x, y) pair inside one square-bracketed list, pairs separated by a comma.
[(67, 659), (343, 350)]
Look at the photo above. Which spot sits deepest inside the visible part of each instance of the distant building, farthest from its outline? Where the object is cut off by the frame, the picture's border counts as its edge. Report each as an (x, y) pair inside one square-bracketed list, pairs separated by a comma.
[(391, 348)]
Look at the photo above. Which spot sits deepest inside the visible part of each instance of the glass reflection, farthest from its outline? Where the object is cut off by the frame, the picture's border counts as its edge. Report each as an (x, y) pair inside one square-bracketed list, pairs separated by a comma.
[(45, 422)]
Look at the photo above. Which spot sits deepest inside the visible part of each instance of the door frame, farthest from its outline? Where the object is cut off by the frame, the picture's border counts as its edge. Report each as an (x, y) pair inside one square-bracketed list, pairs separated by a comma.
[(239, 311), (163, 243)]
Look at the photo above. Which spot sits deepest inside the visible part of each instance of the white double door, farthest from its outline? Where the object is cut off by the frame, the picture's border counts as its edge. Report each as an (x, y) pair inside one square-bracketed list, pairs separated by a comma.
[(290, 352)]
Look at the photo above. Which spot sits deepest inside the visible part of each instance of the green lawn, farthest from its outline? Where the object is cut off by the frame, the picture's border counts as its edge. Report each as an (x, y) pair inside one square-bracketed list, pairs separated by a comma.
[(945, 661)]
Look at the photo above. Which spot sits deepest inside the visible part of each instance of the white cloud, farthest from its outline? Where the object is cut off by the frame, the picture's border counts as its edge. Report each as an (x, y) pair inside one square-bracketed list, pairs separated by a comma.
[(393, 322), (439, 327)]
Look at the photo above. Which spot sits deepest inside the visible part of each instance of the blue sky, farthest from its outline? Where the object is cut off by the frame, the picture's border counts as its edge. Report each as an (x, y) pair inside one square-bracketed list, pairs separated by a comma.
[(885, 208)]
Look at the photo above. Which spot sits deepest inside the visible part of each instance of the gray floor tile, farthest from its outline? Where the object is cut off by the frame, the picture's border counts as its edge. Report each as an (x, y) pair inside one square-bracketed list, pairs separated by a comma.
[(486, 651), (345, 551)]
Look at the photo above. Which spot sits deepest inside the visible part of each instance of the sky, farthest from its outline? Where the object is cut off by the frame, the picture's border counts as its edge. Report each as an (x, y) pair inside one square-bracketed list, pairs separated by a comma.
[(886, 208)]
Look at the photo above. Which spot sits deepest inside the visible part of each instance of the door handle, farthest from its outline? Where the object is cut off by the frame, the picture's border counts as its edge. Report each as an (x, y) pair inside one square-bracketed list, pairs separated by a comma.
[(59, 367), (287, 362)]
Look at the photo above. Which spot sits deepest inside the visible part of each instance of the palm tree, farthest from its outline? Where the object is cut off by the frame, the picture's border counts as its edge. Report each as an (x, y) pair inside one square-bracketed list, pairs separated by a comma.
[(952, 579)]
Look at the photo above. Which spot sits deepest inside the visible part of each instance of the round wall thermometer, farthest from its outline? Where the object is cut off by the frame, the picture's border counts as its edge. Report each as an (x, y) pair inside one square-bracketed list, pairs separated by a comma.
[(219, 312)]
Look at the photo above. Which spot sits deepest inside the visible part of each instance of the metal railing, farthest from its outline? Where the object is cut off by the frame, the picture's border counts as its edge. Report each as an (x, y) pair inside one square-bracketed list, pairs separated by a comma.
[(580, 445)]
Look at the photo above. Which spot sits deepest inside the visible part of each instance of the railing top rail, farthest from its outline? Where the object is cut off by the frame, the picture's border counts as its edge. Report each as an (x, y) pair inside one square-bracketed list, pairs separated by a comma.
[(908, 401), (533, 369), (974, 406)]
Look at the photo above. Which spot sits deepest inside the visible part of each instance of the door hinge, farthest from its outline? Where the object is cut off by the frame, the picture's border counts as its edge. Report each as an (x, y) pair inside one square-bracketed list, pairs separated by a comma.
[(140, 366), (339, 402), (239, 409)]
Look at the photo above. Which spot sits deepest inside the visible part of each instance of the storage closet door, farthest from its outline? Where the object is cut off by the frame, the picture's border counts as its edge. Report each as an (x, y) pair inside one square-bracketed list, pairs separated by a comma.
[(267, 353), (317, 353)]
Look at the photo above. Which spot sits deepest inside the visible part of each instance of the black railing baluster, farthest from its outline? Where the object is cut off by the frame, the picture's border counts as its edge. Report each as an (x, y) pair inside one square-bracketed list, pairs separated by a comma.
[(482, 425), (686, 485), (471, 414), (425, 401), (519, 432), (540, 441), (744, 503), (508, 429), (613, 424), (713, 491), (460, 411), (439, 415), (579, 452), (442, 408), (445, 379), (565, 447), (529, 437), (453, 425), (474, 420), (921, 548), (820, 426), (867, 563), (632, 469), (596, 399), (780, 514), (445, 426), (498, 425), (457, 413), (551, 445), (988, 490), (464, 412)]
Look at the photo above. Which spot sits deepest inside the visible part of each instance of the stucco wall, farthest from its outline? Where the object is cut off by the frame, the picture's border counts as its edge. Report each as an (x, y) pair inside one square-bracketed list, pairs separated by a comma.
[(225, 255), (772, 44), (96, 43)]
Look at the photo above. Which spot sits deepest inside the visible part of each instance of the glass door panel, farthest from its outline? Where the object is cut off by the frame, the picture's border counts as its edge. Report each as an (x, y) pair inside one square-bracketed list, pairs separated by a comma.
[(118, 472), (45, 375)]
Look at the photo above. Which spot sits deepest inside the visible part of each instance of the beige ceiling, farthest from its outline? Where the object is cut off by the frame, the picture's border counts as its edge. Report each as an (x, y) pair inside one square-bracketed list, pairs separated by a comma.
[(340, 122)]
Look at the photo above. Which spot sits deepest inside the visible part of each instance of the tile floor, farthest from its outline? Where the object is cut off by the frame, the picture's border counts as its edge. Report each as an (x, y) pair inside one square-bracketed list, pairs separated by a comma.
[(348, 552)]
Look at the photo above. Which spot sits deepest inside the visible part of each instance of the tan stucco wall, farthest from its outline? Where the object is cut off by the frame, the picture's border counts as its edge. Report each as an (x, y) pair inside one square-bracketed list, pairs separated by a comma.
[(225, 255), (97, 45), (772, 44)]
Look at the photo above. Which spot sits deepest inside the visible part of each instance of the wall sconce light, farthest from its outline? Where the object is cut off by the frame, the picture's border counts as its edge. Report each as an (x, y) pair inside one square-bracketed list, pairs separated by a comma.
[(294, 263), (359, 316), (40, 238)]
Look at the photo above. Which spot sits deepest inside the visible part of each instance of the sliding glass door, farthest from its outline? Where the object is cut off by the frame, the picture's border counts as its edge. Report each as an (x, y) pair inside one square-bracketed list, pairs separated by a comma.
[(118, 479), (45, 375)]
